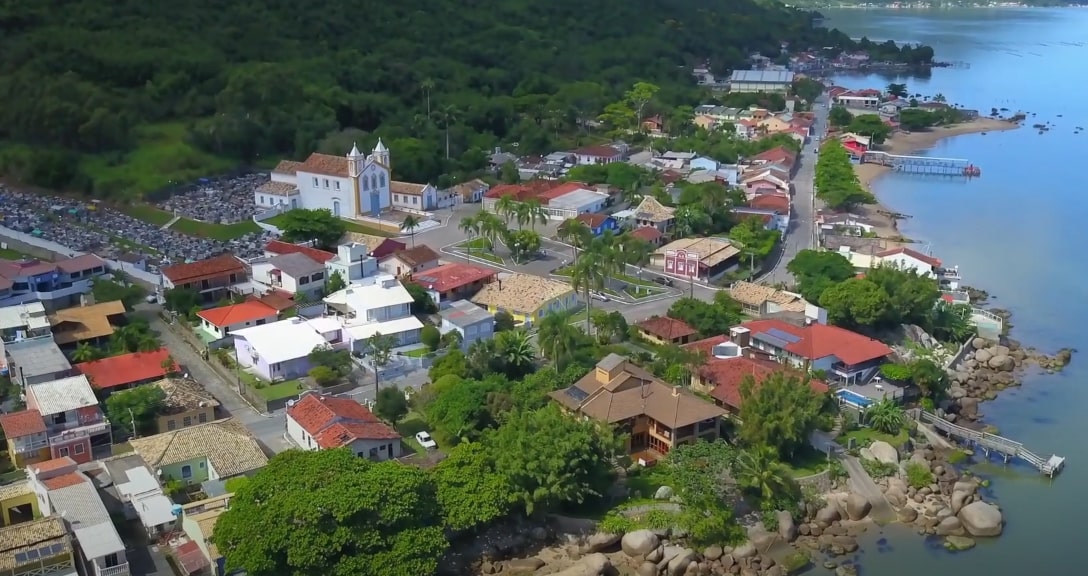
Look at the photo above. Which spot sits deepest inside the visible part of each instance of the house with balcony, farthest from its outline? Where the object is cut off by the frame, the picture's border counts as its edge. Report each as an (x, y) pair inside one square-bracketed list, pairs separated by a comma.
[(218, 323), (74, 421), (212, 278), (38, 360), (655, 416), (320, 422), (69, 496), (653, 214), (27, 437), (23, 322), (923, 264), (55, 284), (847, 357), (39, 548), (92, 323), (124, 371), (355, 261), (281, 350), (378, 304), (218, 450)]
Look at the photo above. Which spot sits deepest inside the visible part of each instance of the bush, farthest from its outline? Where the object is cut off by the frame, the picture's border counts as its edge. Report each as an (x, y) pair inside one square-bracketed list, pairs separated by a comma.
[(878, 469), (918, 476), (324, 375), (431, 337)]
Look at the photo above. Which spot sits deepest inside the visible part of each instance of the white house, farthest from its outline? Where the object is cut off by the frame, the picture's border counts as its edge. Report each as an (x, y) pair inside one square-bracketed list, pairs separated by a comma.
[(862, 100), (907, 259), (598, 155), (703, 163), (420, 197), (293, 273), (281, 350), (380, 304), (469, 320), (348, 186), (220, 322), (410, 261), (24, 321), (319, 422), (353, 262)]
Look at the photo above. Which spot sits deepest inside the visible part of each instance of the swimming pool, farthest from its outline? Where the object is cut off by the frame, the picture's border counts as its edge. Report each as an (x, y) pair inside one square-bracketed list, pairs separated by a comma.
[(854, 399)]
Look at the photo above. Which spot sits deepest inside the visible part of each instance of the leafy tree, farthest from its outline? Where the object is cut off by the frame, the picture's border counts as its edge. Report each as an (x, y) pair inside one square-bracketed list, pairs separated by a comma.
[(911, 296), (855, 302), (330, 512), (523, 244), (105, 290), (335, 284), (84, 352), (930, 378), (708, 318), (140, 405), (897, 90), (380, 349), (815, 271), (431, 337), (516, 353), (459, 410), (839, 116), (319, 226), (809, 89), (338, 361), (551, 459), (422, 303), (950, 322), (453, 362), (471, 491), (778, 413), (559, 340), (181, 300), (885, 416), (757, 241), (870, 125), (323, 375), (504, 321), (836, 181), (391, 405), (509, 173), (641, 94)]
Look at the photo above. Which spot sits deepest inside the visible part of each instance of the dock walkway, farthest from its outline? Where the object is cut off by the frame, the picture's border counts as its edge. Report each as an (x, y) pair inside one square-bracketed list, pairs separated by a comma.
[(922, 164), (991, 443)]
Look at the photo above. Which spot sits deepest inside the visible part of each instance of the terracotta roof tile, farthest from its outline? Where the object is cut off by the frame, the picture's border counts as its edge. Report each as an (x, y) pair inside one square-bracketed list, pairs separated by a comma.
[(665, 328), (226, 444), (778, 202), (417, 256), (334, 422), (654, 211), (277, 188), (325, 164), (280, 247), (593, 220), (22, 423), (124, 369), (287, 167), (80, 263), (521, 192), (521, 293), (647, 233), (225, 316), (80, 323), (64, 481), (818, 341), (408, 188), (598, 151), (221, 265), (52, 465), (452, 276)]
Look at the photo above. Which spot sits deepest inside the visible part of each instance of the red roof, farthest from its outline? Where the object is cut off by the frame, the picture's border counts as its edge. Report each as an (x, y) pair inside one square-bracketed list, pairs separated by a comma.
[(64, 481), (22, 423), (778, 154), (778, 202), (852, 146), (521, 192), (125, 369), (598, 151), (51, 465), (335, 422), (647, 233), (222, 265), (665, 328), (817, 341), (592, 220), (451, 276), (279, 247), (913, 254), (726, 375), (561, 190), (248, 311), (190, 557)]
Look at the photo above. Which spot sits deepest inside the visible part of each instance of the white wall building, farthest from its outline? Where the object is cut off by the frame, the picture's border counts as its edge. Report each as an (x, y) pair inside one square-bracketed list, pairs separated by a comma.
[(421, 197), (379, 304), (320, 422), (348, 186), (292, 273), (469, 320), (353, 262)]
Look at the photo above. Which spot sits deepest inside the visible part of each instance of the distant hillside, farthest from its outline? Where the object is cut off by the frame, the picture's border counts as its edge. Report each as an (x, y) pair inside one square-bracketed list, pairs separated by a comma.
[(125, 96), (930, 3)]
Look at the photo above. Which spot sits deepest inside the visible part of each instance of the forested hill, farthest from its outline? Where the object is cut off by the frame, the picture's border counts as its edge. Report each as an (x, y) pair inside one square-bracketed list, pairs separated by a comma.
[(90, 89)]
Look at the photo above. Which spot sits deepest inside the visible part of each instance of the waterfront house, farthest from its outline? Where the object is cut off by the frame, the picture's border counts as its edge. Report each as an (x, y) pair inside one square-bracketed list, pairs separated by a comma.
[(526, 298), (218, 450), (115, 373), (664, 330), (453, 281), (320, 422), (212, 278), (92, 324), (218, 323), (847, 357), (469, 320), (654, 416), (760, 300)]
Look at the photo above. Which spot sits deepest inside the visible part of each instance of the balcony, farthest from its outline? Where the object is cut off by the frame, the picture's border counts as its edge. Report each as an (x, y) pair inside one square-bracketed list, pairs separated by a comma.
[(80, 432), (31, 446), (118, 570)]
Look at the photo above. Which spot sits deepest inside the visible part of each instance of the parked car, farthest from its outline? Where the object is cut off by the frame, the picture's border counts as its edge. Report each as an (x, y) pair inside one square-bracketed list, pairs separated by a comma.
[(663, 280), (425, 440), (598, 296)]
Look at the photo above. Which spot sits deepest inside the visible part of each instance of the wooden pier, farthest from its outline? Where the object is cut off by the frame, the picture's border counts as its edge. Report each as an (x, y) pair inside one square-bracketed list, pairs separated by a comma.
[(922, 164), (991, 443)]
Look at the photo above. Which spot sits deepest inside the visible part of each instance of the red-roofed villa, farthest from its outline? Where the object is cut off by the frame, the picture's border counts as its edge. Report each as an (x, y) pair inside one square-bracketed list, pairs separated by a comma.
[(320, 422), (454, 281), (127, 370), (847, 357)]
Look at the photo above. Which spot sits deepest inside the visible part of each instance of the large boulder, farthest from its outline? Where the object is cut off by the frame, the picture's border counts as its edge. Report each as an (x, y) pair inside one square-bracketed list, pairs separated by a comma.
[(745, 550), (679, 563), (983, 356), (950, 526), (592, 565), (828, 514), (601, 541), (664, 493), (969, 407), (523, 566), (981, 519), (962, 492), (787, 529), (1001, 362), (884, 452), (857, 506), (907, 514), (639, 543), (979, 343)]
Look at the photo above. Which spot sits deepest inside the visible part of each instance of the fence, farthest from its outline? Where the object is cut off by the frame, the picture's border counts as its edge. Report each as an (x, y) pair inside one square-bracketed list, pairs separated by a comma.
[(259, 219), (964, 350)]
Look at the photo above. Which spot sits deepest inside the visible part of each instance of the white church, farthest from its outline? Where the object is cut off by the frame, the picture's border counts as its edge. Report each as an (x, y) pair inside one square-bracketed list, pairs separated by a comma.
[(350, 186)]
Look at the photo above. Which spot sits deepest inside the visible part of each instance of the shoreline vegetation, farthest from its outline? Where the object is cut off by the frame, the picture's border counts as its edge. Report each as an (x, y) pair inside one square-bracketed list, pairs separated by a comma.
[(886, 219)]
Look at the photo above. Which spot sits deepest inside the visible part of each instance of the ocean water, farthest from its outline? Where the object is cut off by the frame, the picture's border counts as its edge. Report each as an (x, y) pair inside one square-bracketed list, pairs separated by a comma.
[(1020, 232)]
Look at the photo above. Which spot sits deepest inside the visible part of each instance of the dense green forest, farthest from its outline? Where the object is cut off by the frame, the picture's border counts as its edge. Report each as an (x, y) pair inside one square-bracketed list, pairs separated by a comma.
[(127, 96)]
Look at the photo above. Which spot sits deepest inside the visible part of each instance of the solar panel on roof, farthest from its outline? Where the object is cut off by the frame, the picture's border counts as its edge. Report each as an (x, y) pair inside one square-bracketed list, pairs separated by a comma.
[(783, 335), (773, 341), (577, 393), (20, 558)]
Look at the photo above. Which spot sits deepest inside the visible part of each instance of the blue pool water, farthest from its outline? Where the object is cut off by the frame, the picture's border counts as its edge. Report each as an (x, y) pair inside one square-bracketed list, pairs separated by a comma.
[(851, 397)]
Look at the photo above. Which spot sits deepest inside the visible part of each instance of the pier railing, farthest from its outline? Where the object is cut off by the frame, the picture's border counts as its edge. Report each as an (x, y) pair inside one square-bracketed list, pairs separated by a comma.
[(990, 442), (921, 164)]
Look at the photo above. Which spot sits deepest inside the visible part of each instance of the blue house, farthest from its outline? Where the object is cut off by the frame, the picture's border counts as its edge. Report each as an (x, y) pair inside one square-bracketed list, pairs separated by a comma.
[(598, 223), (703, 163)]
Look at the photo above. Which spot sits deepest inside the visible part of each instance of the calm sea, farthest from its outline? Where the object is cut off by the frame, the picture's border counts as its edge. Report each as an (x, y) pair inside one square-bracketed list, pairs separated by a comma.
[(1020, 232)]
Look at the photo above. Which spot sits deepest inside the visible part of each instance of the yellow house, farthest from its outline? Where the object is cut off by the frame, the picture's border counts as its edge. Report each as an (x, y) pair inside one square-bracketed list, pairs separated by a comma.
[(18, 503), (773, 124), (705, 122), (527, 298), (27, 439)]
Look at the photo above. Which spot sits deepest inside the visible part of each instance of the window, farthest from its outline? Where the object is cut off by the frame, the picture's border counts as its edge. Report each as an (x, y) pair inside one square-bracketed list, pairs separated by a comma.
[(171, 424), (317, 276), (315, 182), (62, 452), (202, 418), (187, 421), (186, 471), (79, 449), (326, 183), (383, 179), (415, 200), (336, 184), (262, 199), (110, 560), (60, 418), (336, 208), (366, 183), (374, 181)]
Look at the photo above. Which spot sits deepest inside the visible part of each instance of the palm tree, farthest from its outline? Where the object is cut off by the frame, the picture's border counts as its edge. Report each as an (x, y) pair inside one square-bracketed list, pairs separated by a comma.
[(608, 255), (491, 227), (576, 233), (449, 114), (535, 212), (688, 220), (409, 225), (758, 470), (516, 349), (505, 207), (585, 276), (84, 353), (147, 343), (885, 416), (521, 213), (636, 252), (471, 227), (426, 86), (557, 338)]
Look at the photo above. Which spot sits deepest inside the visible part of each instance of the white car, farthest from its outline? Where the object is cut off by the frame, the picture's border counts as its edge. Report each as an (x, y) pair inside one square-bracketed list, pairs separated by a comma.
[(425, 440), (598, 296)]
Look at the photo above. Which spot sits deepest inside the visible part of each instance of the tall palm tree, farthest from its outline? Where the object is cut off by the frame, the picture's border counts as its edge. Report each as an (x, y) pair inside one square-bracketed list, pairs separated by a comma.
[(471, 228), (636, 252), (557, 338), (84, 353), (409, 225), (585, 276), (491, 227), (576, 233), (758, 470), (505, 206), (535, 212), (449, 115), (426, 86), (521, 211), (147, 343), (609, 256)]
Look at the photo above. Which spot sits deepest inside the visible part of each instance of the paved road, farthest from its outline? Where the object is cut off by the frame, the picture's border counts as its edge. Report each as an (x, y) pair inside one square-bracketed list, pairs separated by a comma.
[(802, 233)]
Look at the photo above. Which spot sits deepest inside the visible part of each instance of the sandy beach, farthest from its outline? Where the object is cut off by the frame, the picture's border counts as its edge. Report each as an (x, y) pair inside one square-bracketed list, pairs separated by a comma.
[(908, 143)]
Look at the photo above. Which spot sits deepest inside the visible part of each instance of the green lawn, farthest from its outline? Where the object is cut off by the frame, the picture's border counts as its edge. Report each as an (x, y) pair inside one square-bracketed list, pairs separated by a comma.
[(285, 389), (865, 436), (481, 254), (807, 462), (639, 293), (408, 427), (476, 244), (351, 226), (9, 254), (162, 156), (417, 352), (159, 217), (148, 213), (646, 482)]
